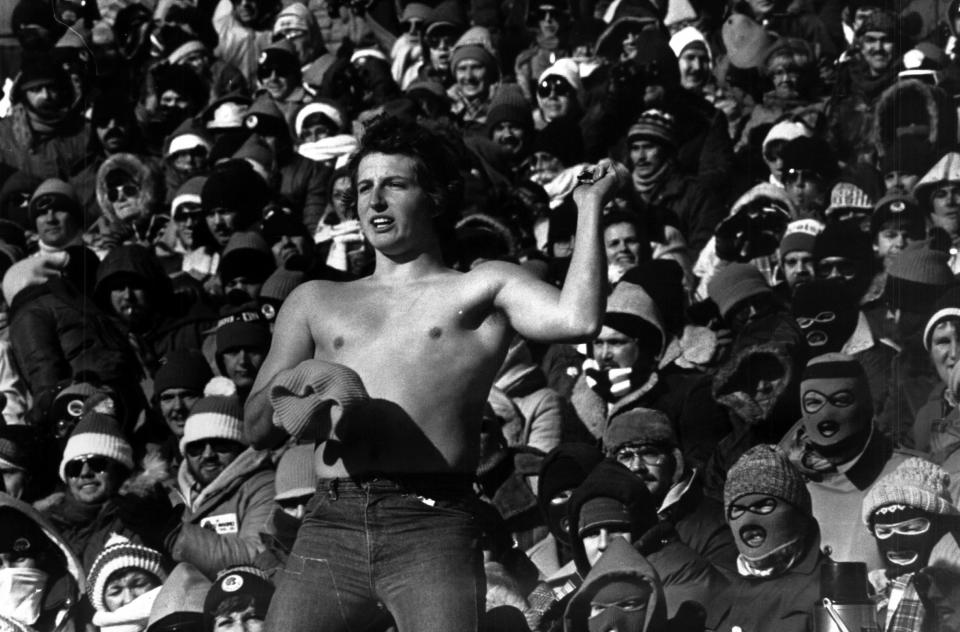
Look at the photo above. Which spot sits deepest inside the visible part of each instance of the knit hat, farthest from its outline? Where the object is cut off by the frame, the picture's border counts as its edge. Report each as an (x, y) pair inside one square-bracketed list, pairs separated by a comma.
[(68, 404), (183, 80), (296, 473), (38, 69), (183, 49), (631, 311), (292, 17), (917, 276), (915, 483), (686, 37), (810, 152), (259, 154), (569, 71), (188, 193), (97, 434), (786, 131), (282, 56), (278, 285), (179, 606), (227, 112), (746, 41), (800, 236), (655, 125), (448, 12), (880, 22), (638, 426), (240, 581), (182, 368), (847, 195), (241, 328), (328, 109), (562, 139), (765, 469), (734, 283), (947, 306), (315, 391), (509, 104), (476, 44), (841, 239), (264, 115), (119, 554), (248, 255), (213, 417), (902, 209), (64, 193), (601, 511), (235, 185)]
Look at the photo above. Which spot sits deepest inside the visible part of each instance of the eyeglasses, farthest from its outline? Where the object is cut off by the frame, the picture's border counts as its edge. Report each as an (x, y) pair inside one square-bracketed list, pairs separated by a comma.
[(268, 70), (760, 508), (554, 86), (197, 153), (914, 526), (814, 401), (188, 211), (221, 446), (800, 176), (47, 203), (126, 190), (822, 318), (650, 455), (843, 267), (413, 27), (438, 41), (97, 465)]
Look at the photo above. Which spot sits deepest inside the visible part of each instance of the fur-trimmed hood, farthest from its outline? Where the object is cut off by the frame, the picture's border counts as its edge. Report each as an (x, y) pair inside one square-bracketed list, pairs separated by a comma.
[(149, 180), (914, 108), (769, 361)]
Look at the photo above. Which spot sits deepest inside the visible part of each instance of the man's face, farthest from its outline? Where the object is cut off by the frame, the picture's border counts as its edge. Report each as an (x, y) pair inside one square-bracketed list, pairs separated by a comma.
[(56, 228), (130, 301), (112, 135), (243, 284), (631, 42), (785, 76), (542, 167), (441, 43), (242, 364), (173, 100), (243, 621), (890, 241), (877, 50), (190, 161), (548, 23), (900, 181), (274, 81), (190, 225), (837, 268), (694, 68), (45, 99), (807, 190), (761, 524), (647, 156), (655, 465), (622, 245), (798, 268), (945, 347), (314, 132), (247, 12), (395, 213), (208, 458), (289, 246), (510, 135), (222, 224), (614, 350), (945, 202), (771, 156), (126, 585), (91, 480), (555, 97), (175, 405), (471, 76), (596, 541), (14, 481), (833, 411)]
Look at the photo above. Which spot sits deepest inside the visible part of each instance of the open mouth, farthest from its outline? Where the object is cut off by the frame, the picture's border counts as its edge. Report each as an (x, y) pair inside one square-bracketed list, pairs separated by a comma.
[(902, 558), (753, 536), (828, 428), (381, 223)]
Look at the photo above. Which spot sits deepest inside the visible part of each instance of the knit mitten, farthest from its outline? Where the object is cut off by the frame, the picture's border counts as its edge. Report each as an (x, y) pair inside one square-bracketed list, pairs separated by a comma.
[(315, 393)]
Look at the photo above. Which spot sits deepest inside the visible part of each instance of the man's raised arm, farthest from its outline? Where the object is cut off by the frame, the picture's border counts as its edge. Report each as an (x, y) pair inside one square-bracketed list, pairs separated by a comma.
[(538, 311), (292, 344)]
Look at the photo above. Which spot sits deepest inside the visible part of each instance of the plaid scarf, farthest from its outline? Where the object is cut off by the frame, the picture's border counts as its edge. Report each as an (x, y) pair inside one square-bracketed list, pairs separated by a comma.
[(908, 611)]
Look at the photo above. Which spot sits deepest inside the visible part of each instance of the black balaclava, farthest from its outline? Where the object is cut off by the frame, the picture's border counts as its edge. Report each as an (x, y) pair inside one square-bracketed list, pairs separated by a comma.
[(837, 406), (624, 605), (827, 312), (905, 537)]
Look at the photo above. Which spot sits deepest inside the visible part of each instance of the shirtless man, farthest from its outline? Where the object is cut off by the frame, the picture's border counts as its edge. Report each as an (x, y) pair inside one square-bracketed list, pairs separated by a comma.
[(390, 524)]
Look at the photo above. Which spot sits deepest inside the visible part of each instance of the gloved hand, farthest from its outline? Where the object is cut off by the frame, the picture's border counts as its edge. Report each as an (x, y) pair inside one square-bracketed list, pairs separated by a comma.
[(151, 516), (656, 537), (754, 231)]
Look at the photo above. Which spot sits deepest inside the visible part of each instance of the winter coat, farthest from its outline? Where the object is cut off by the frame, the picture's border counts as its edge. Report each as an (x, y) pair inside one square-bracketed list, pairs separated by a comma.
[(699, 523), (876, 357), (783, 603), (541, 408), (67, 582), (837, 496), (773, 109), (149, 202), (936, 430), (57, 332), (697, 208), (47, 156), (85, 528), (222, 522), (850, 114), (240, 45), (278, 539), (936, 123), (618, 563), (911, 379), (304, 183)]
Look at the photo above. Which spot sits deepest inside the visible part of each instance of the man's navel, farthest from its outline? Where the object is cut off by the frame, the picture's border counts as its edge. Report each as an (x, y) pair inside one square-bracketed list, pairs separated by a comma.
[(338, 342), (435, 332)]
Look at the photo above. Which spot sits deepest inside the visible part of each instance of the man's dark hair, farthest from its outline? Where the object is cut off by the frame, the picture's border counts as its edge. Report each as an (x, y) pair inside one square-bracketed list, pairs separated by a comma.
[(436, 161), (235, 603)]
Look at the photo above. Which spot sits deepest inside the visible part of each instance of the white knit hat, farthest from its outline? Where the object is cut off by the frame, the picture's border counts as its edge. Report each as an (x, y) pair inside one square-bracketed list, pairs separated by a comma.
[(787, 130), (686, 36), (120, 553), (319, 107), (569, 71), (213, 417), (100, 435)]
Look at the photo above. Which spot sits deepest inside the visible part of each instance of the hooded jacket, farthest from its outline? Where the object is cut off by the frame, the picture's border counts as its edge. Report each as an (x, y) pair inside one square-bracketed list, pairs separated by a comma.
[(239, 45), (149, 180), (65, 588), (541, 408), (222, 521), (49, 156), (933, 106), (619, 562)]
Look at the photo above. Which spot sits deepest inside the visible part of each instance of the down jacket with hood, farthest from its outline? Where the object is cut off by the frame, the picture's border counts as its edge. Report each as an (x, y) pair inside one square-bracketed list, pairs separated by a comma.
[(222, 522), (916, 108), (620, 562), (686, 576), (67, 583), (129, 223)]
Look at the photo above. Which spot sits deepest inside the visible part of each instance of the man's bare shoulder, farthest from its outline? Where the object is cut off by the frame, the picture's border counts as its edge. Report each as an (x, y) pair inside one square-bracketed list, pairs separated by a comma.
[(499, 272)]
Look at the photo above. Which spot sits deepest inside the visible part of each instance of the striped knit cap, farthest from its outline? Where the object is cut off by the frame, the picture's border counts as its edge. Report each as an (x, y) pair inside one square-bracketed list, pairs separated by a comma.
[(657, 125), (213, 417), (915, 483), (765, 469), (100, 435), (119, 554)]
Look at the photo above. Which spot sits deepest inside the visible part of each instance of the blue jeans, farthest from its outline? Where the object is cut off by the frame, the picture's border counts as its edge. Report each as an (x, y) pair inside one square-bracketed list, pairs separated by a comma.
[(381, 545)]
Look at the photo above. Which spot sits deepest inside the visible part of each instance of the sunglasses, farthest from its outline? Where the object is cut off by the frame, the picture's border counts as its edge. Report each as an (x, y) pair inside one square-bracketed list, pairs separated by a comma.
[(760, 508), (436, 41), (648, 454), (97, 465), (267, 71), (554, 86), (799, 176), (221, 446), (413, 26), (842, 267), (126, 190), (188, 211)]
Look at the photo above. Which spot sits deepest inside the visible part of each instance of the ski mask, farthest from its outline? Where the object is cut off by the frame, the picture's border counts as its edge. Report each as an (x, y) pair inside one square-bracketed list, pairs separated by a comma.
[(619, 605), (827, 313), (836, 404), (905, 537)]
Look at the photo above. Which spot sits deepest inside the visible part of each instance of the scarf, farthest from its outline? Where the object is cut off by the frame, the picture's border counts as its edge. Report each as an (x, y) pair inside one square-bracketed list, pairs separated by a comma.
[(330, 148), (775, 563), (132, 617), (645, 185)]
